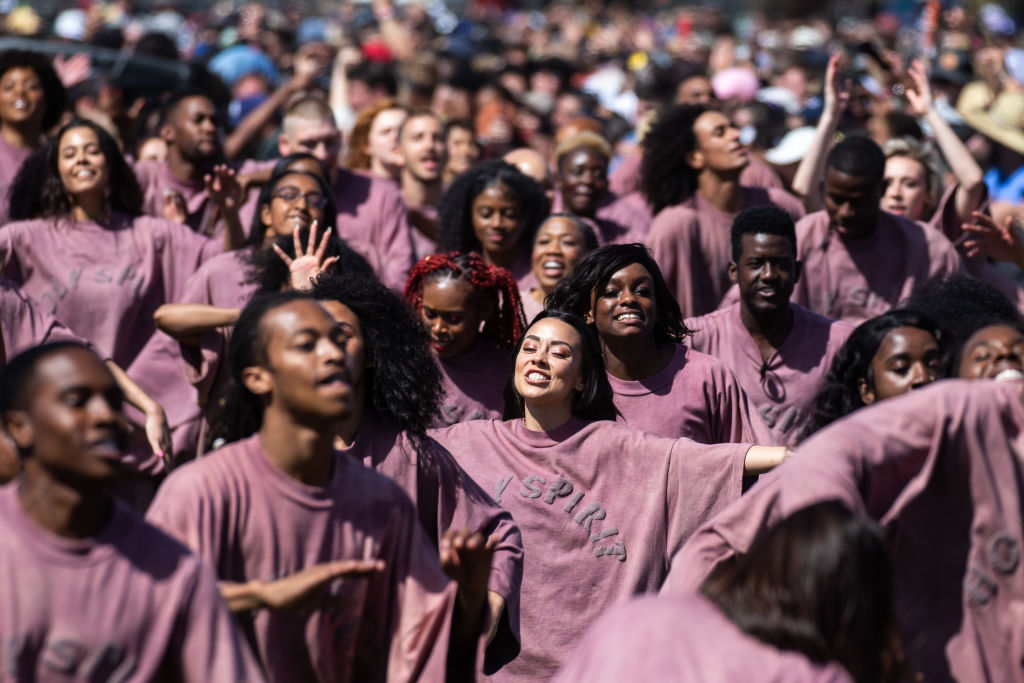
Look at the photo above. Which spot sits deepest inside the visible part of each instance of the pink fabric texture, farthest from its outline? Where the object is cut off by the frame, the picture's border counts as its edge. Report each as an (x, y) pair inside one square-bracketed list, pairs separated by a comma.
[(23, 323), (939, 469), (784, 387), (61, 620), (474, 384), (685, 639), (250, 520), (695, 396), (857, 280), (601, 508)]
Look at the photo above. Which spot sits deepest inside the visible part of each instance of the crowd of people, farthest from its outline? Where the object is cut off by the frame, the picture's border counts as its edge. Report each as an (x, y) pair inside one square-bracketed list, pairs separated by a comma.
[(468, 341)]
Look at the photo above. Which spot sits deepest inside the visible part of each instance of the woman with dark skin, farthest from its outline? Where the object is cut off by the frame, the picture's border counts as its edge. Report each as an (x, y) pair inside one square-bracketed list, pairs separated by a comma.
[(661, 385), (494, 210), (884, 357)]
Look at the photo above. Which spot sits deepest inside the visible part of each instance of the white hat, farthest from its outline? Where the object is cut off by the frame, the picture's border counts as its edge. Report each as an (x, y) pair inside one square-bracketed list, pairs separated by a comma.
[(792, 147)]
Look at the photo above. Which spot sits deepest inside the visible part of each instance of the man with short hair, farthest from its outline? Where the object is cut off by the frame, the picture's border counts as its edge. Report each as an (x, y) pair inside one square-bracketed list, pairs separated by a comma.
[(858, 260), (422, 153), (779, 351), (90, 591), (370, 210)]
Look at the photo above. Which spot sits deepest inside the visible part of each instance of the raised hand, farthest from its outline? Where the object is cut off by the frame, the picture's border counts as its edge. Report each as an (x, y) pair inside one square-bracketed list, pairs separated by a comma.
[(466, 558), (73, 69), (223, 188), (1000, 242), (309, 263), (173, 207), (837, 93), (920, 96)]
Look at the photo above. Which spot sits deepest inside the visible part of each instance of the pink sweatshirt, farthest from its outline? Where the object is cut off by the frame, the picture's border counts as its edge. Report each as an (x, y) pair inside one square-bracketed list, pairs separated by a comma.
[(130, 604), (784, 387), (23, 323), (250, 520), (474, 384), (685, 639), (601, 508), (939, 469), (695, 396), (691, 243)]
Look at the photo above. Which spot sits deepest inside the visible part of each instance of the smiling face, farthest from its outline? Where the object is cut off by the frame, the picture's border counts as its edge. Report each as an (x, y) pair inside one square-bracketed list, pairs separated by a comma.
[(73, 425), (718, 145), (497, 222), (908, 358), (315, 363), (625, 306), (453, 313), (556, 251), (548, 368), (852, 203), (766, 272), (994, 352), (282, 215), (22, 99), (906, 188), (81, 165), (583, 179)]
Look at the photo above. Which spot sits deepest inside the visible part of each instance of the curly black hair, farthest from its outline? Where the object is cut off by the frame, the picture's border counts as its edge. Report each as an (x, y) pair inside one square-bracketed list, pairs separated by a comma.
[(575, 292), (37, 191), (403, 382), (455, 212), (841, 395), (666, 177), (55, 95)]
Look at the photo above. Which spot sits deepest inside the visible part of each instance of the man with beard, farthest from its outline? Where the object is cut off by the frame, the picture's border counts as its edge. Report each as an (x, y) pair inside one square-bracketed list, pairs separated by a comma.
[(422, 151)]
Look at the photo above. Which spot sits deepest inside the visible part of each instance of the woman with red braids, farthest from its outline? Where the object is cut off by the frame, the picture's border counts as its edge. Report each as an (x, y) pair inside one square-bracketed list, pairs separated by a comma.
[(474, 316)]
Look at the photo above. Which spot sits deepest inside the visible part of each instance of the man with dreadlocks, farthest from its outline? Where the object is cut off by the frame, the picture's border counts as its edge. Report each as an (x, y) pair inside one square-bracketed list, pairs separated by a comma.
[(474, 315)]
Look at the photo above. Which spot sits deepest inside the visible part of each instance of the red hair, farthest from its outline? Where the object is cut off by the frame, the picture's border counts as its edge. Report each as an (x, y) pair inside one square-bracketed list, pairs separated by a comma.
[(508, 321)]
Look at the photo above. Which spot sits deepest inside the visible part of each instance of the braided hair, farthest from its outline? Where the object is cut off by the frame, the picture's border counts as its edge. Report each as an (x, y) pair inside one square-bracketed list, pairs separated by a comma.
[(507, 322)]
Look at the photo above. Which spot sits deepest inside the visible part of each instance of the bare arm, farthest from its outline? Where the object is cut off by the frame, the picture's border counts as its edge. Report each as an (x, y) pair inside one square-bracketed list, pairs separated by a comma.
[(970, 192), (302, 589), (398, 38), (761, 459), (807, 179), (185, 322), (158, 433)]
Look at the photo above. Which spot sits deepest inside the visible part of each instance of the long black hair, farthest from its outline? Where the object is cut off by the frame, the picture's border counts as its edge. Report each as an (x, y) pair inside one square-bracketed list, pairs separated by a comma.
[(820, 583), (37, 191), (455, 212), (666, 177), (593, 271), (403, 382), (595, 401), (841, 395)]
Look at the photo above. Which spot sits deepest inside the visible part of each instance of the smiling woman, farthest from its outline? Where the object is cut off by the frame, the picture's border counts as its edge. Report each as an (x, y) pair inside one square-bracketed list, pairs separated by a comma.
[(602, 506)]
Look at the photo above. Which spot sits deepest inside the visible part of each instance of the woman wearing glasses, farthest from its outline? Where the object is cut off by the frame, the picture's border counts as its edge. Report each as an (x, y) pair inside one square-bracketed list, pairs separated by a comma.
[(196, 329)]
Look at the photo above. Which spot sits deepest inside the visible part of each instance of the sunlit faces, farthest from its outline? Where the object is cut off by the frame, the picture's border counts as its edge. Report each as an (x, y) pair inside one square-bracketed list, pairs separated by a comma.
[(22, 97), (497, 220), (80, 163), (382, 140), (321, 139), (422, 147), (718, 144), (852, 203), (463, 150), (453, 312), (695, 90), (906, 188), (195, 130), (549, 364), (766, 272), (282, 215), (556, 250), (315, 362), (626, 305), (583, 180), (996, 352), (153, 149), (908, 358), (73, 426)]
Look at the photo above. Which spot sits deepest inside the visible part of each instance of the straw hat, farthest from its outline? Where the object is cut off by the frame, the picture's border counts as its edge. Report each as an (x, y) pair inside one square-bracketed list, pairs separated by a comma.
[(1001, 119)]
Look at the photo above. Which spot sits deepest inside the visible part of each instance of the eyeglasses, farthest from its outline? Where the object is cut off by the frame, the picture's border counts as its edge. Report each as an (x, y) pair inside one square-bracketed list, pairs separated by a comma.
[(315, 200)]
